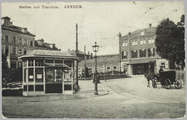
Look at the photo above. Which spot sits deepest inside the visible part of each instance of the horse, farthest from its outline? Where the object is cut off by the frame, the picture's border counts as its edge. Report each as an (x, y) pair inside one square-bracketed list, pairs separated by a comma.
[(150, 76)]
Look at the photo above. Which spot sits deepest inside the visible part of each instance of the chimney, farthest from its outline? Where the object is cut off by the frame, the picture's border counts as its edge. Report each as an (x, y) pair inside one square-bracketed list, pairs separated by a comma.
[(24, 30), (53, 46), (150, 25), (6, 21)]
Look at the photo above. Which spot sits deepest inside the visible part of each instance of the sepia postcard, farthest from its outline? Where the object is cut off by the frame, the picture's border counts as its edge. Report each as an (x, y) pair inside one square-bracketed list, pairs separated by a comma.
[(93, 60)]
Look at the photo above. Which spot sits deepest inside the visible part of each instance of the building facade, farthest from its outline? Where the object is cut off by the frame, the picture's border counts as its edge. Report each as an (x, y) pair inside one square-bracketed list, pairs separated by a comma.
[(17, 41), (105, 63), (138, 52)]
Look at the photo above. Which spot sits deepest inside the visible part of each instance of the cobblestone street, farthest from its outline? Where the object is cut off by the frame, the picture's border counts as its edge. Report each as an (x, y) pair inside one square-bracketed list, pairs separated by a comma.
[(118, 98)]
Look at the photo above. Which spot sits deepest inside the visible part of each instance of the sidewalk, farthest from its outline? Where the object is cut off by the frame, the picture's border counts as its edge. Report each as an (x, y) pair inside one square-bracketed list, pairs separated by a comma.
[(87, 88)]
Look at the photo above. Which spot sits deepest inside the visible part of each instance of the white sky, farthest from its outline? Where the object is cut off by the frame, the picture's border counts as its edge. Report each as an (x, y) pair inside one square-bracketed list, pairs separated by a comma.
[(97, 21)]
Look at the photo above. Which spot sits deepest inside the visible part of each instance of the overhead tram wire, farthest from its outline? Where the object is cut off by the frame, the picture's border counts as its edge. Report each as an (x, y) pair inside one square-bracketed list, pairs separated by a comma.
[(150, 8)]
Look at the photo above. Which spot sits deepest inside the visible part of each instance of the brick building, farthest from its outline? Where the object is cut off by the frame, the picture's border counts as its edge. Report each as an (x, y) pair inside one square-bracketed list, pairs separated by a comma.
[(138, 52), (18, 41)]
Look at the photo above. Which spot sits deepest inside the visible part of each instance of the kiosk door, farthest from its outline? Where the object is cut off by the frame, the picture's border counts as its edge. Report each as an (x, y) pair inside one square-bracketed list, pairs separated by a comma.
[(53, 80)]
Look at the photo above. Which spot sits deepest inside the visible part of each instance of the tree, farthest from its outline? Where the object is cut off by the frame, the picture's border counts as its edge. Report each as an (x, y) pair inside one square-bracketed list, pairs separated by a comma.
[(170, 41)]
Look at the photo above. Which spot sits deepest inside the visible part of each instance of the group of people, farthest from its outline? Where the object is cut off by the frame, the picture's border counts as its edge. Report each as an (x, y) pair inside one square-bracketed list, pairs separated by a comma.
[(96, 77)]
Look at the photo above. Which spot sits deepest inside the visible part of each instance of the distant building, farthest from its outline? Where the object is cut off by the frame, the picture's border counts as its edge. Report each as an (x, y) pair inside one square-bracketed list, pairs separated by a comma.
[(105, 63), (40, 44), (18, 41), (80, 54), (138, 52)]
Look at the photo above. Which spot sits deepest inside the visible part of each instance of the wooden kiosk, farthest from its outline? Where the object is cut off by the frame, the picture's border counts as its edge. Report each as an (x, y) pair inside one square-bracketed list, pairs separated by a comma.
[(47, 71)]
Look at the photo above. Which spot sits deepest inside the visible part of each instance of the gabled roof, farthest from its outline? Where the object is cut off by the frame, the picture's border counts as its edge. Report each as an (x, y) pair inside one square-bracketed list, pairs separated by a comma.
[(47, 54)]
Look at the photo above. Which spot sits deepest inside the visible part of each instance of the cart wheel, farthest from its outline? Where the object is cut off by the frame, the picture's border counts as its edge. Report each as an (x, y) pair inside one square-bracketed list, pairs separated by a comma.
[(154, 84), (168, 84), (178, 84)]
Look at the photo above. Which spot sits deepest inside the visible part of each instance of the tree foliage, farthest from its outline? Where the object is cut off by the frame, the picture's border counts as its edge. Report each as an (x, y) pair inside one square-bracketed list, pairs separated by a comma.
[(170, 41)]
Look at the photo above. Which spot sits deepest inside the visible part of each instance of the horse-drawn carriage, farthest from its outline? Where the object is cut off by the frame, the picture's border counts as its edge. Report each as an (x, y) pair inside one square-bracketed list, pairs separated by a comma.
[(166, 79)]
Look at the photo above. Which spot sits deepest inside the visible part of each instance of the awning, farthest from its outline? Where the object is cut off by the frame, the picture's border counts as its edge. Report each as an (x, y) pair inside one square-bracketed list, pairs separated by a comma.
[(140, 62), (56, 65)]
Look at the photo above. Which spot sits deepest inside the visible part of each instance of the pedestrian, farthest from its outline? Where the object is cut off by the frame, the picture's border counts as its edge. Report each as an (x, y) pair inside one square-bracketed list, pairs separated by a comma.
[(161, 69)]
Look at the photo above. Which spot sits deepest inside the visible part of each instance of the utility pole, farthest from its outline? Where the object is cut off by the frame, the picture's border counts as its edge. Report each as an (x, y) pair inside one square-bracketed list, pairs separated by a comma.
[(77, 55), (84, 62)]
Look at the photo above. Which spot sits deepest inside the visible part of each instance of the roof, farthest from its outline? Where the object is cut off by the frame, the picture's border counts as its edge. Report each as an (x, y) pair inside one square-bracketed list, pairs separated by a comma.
[(16, 29), (41, 43), (47, 54), (72, 52), (146, 33)]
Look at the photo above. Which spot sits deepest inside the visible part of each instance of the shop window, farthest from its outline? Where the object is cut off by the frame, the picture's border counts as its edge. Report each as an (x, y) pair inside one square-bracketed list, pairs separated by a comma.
[(134, 54), (39, 74), (13, 64), (143, 53), (31, 87), (151, 52), (30, 75), (114, 68), (39, 62), (124, 55)]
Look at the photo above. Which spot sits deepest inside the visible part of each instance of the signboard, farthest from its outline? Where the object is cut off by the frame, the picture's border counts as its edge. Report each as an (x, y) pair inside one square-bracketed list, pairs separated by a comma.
[(39, 76)]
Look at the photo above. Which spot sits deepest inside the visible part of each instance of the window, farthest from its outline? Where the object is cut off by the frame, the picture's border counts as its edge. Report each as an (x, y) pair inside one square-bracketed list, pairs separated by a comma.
[(6, 38), (143, 53), (48, 61), (124, 43), (31, 43), (134, 54), (39, 75), (134, 42), (144, 41), (152, 40), (30, 75), (108, 69), (39, 62), (30, 62), (6, 50), (25, 42), (13, 50), (25, 51), (20, 41), (68, 63), (114, 68), (20, 51), (151, 52), (58, 61), (14, 39), (141, 42), (124, 55)]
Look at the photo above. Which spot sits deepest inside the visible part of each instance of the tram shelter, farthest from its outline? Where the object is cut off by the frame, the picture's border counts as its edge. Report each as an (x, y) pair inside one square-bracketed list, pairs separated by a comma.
[(47, 71)]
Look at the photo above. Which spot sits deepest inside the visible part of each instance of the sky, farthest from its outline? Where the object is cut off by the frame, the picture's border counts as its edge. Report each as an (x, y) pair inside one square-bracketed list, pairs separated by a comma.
[(98, 22)]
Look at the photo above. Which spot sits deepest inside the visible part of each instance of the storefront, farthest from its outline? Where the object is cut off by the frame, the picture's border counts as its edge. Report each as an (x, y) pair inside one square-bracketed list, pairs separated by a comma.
[(140, 67), (46, 71)]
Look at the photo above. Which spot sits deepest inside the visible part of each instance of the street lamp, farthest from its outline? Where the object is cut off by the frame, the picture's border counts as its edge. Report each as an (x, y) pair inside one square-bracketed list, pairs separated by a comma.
[(95, 49)]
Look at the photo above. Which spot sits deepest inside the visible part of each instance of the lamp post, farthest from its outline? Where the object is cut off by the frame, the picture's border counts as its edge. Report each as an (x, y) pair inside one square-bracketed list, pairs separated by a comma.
[(105, 68), (95, 49)]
